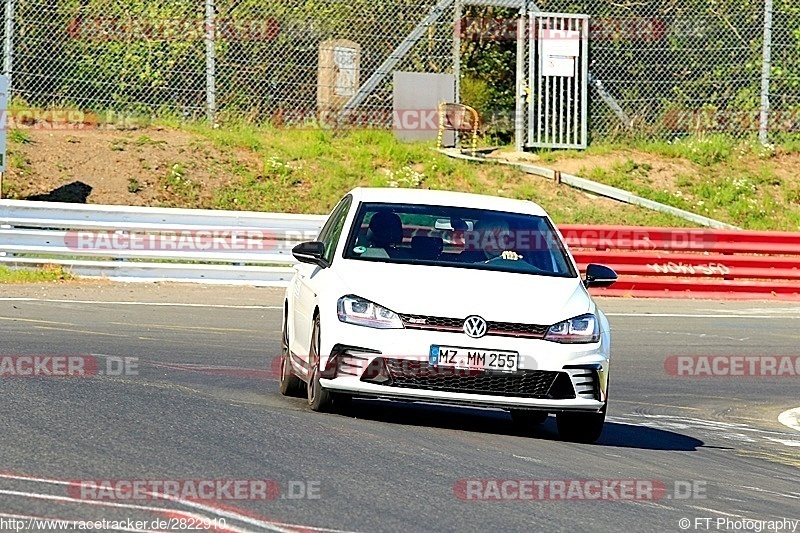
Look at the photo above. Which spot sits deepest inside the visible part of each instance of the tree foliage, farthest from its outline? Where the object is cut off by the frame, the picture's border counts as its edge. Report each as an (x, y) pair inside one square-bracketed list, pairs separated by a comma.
[(653, 56)]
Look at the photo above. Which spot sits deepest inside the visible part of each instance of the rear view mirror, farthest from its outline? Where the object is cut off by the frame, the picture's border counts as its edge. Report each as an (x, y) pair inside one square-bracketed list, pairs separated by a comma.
[(599, 276), (310, 252)]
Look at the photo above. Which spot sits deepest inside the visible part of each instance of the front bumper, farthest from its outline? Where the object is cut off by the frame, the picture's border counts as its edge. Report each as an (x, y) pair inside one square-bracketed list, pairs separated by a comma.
[(393, 364)]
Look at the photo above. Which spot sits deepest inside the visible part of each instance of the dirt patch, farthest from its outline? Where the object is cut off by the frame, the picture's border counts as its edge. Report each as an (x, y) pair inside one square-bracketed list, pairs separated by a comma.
[(789, 168), (655, 171), (660, 172), (147, 167)]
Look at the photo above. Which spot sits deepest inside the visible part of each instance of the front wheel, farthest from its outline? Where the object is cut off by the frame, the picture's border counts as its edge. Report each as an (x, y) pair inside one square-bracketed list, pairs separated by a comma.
[(289, 384), (581, 427), (319, 399)]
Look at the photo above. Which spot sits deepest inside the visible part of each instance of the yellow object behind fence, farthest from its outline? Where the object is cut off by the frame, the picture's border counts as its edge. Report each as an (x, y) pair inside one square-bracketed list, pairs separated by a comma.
[(459, 118)]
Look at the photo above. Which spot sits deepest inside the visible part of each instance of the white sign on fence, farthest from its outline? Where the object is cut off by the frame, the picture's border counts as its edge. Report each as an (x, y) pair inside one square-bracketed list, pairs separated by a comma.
[(559, 50)]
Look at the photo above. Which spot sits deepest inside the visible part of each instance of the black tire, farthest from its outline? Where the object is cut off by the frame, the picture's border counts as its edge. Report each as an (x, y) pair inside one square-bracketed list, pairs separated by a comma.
[(319, 399), (581, 427), (288, 383), (525, 417), (342, 402)]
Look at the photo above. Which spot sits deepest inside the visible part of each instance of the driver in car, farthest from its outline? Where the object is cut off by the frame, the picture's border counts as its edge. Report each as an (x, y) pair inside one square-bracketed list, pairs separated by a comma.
[(492, 236)]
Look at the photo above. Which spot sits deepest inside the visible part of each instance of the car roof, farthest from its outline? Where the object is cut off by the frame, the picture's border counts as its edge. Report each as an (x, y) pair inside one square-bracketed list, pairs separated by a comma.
[(446, 198)]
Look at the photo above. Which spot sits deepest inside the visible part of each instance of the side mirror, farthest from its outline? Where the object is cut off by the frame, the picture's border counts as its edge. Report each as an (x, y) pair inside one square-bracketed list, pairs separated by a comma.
[(310, 252), (599, 276)]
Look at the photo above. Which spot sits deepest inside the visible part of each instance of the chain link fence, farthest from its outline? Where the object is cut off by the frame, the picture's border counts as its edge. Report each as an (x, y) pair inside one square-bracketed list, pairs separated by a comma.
[(672, 67), (691, 66), (242, 58), (678, 66), (785, 69), (661, 69)]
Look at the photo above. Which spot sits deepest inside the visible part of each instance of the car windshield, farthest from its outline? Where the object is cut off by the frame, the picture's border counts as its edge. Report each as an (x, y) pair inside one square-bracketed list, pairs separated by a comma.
[(457, 237)]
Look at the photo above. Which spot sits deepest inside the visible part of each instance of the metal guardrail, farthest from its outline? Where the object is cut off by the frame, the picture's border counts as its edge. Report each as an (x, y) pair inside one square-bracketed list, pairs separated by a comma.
[(154, 244), (157, 244), (24, 213)]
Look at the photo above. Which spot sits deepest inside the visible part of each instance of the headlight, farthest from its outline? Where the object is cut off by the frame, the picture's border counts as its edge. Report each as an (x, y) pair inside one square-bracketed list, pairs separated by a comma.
[(579, 330), (355, 310)]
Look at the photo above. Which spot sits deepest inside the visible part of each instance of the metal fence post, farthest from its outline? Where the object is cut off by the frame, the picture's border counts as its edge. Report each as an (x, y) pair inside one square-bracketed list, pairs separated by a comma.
[(457, 29), (519, 109), (211, 90), (457, 48), (766, 68), (8, 42), (8, 63)]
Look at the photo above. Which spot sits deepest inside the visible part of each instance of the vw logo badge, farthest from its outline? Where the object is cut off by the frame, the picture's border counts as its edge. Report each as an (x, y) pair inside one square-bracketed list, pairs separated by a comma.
[(475, 327)]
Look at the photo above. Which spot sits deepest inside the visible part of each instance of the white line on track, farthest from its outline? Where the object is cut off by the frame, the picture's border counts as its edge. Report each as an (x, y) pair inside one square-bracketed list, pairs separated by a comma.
[(58, 523), (790, 418), (101, 503), (761, 313), (723, 513), (791, 495), (728, 430), (223, 512), (691, 315), (65, 499), (152, 304)]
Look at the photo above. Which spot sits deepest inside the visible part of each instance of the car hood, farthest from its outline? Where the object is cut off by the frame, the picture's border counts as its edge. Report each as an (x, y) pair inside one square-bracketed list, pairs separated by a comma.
[(460, 292)]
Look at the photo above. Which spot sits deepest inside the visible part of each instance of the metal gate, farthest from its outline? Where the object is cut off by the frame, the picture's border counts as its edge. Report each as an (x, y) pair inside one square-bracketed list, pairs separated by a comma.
[(558, 74)]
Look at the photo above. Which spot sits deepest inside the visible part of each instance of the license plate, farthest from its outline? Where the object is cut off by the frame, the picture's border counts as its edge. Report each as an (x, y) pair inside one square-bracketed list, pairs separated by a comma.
[(473, 358)]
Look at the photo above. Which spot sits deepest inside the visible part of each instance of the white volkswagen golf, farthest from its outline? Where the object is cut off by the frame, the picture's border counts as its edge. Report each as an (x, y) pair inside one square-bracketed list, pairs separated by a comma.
[(444, 297)]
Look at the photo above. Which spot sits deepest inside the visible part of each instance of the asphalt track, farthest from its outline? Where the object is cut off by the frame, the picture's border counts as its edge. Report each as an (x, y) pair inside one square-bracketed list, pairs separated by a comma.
[(200, 402)]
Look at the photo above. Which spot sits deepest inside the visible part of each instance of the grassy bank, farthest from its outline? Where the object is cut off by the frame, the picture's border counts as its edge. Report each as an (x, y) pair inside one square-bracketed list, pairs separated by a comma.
[(244, 167), (308, 170), (739, 182)]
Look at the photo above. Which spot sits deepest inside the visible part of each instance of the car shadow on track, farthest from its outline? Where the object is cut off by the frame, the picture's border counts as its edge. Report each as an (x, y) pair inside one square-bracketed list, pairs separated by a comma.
[(499, 423)]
